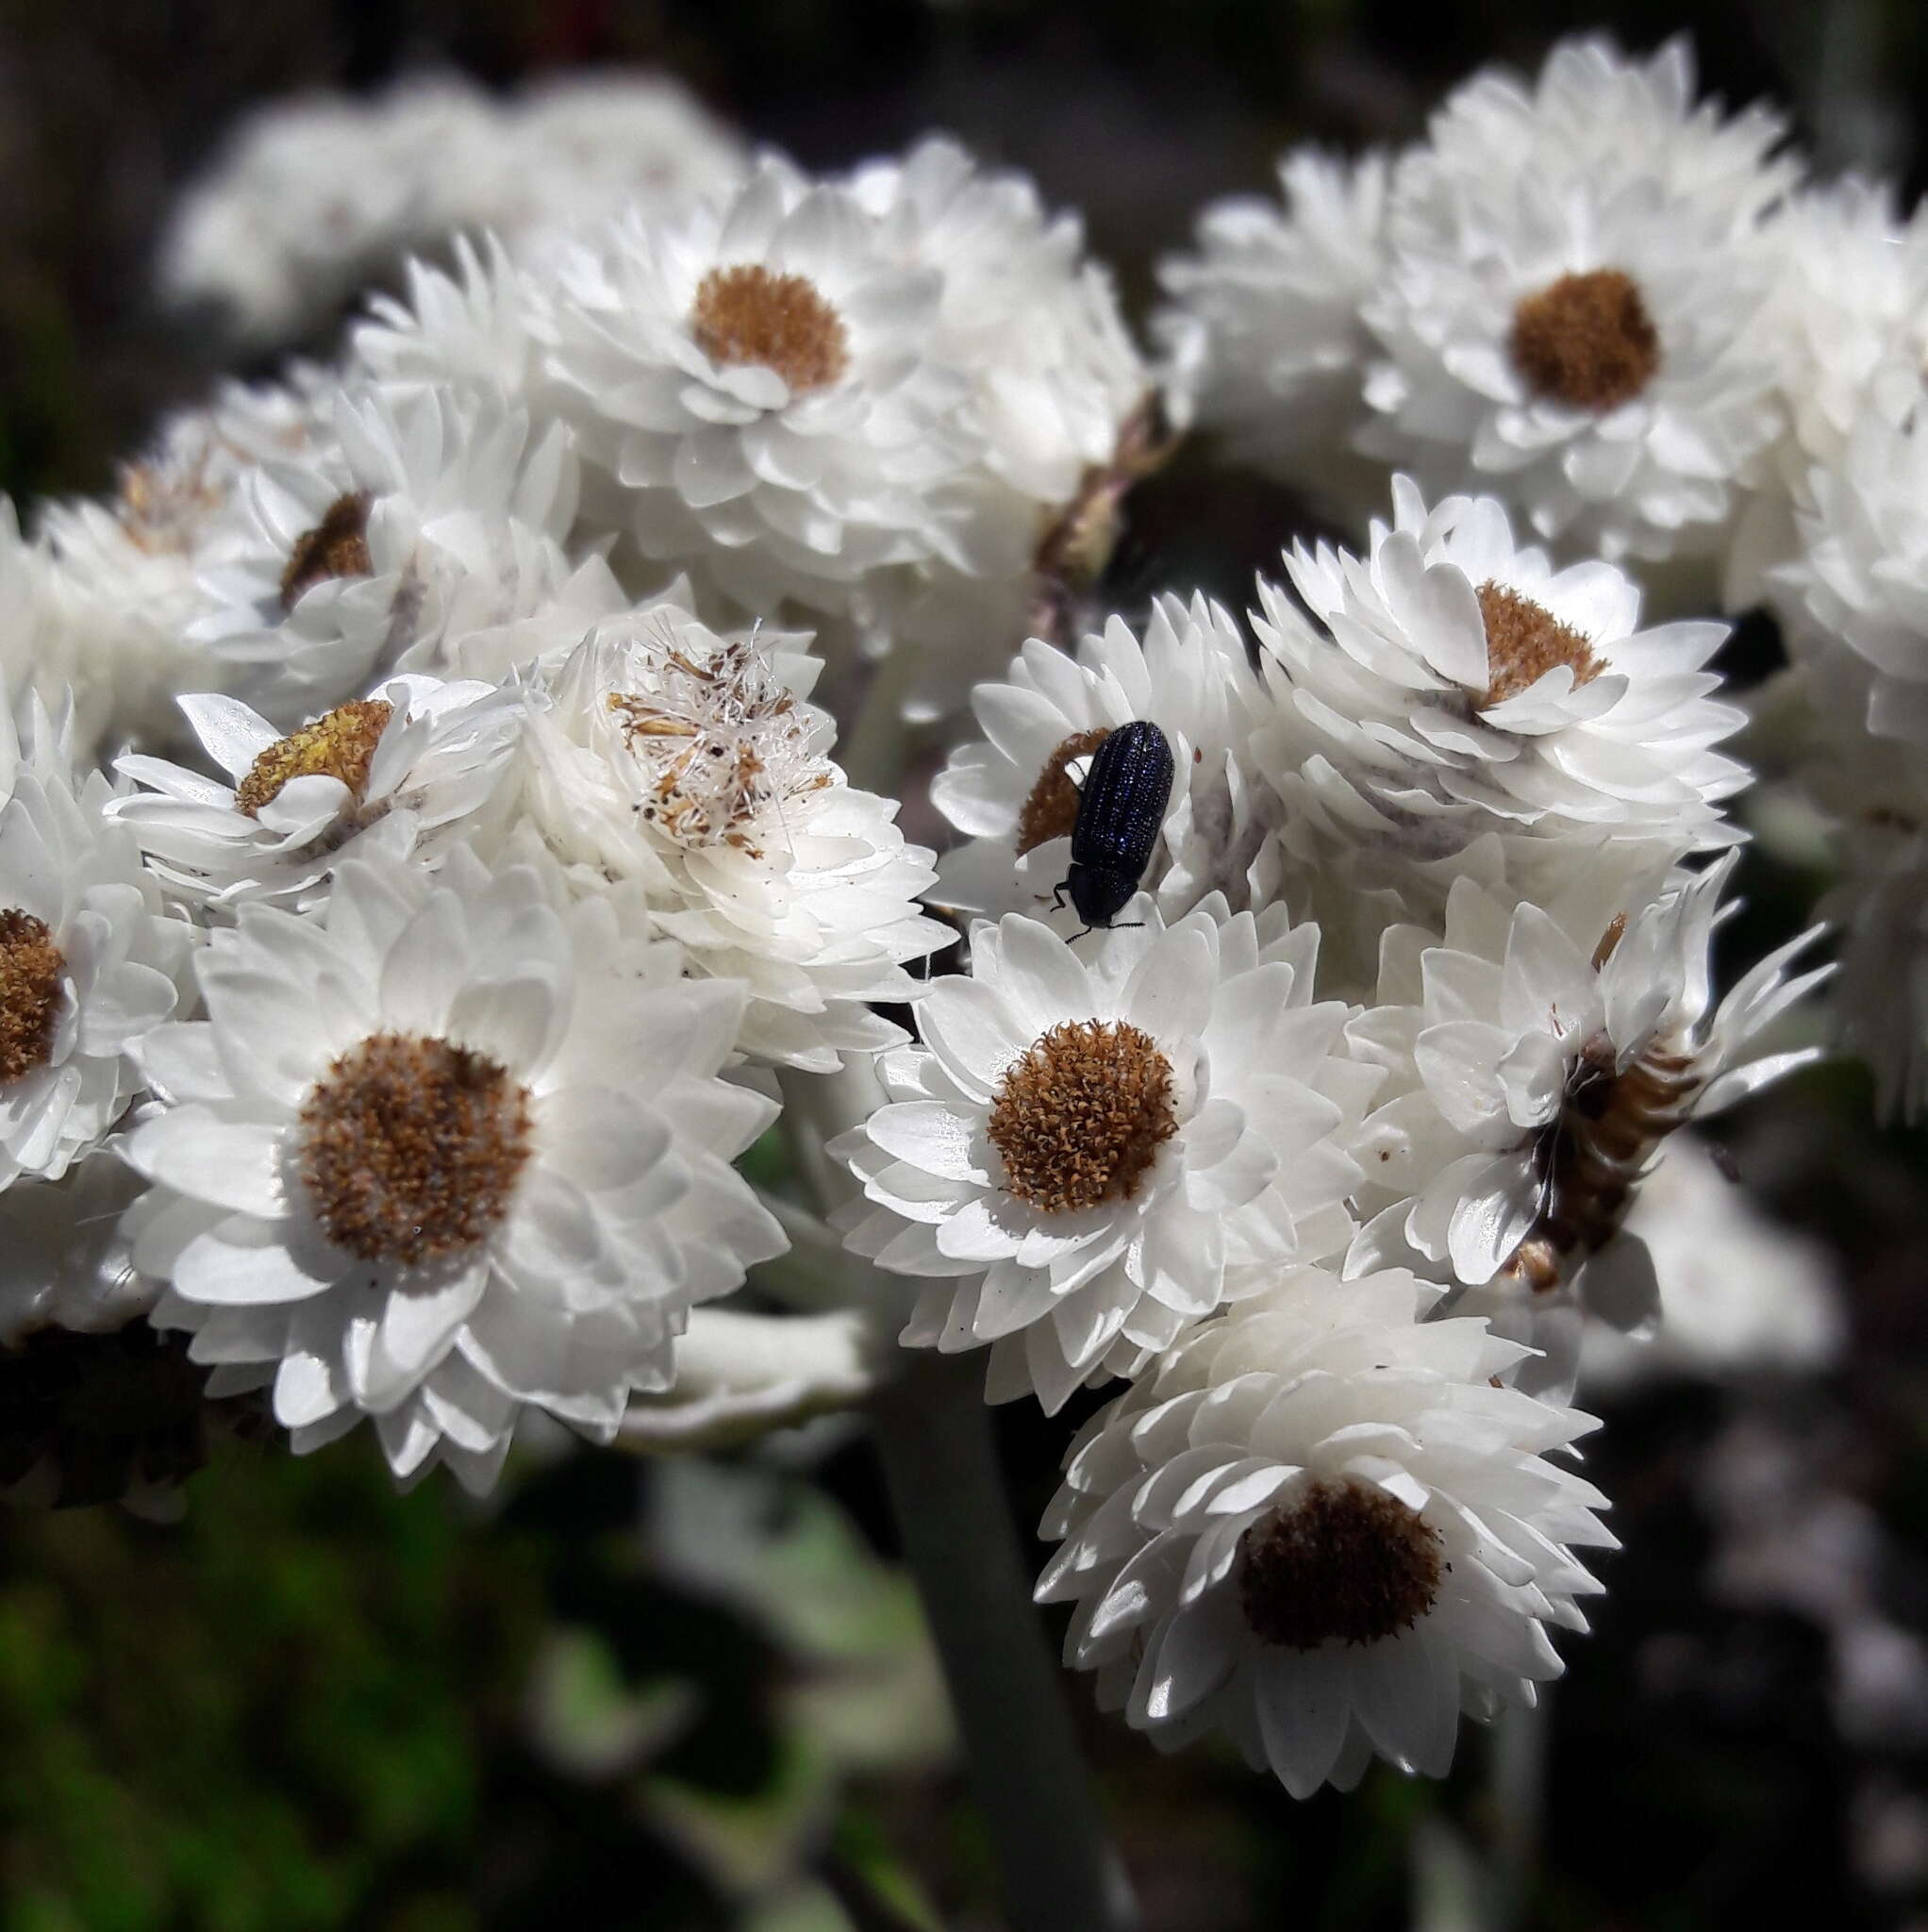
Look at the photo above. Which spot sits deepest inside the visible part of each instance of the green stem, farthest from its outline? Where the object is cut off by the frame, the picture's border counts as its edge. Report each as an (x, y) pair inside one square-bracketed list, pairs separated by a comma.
[(1057, 1866)]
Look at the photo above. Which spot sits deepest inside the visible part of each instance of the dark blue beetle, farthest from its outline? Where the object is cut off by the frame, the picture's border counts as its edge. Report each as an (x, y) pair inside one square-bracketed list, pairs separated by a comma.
[(1119, 812)]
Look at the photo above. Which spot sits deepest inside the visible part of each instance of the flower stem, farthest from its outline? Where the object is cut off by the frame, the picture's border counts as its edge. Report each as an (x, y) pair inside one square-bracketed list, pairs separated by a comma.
[(1057, 1869)]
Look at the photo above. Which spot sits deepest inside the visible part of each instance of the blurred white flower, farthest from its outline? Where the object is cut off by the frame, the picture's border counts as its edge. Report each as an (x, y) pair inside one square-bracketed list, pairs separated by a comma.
[(1089, 1153), (1855, 600), (68, 1264), (1324, 1527), (442, 1154), (1264, 334), (1738, 1292), (1851, 293)]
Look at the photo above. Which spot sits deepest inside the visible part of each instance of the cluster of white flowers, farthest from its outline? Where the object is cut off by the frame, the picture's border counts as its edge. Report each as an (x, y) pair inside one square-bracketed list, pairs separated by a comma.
[(1638, 324), (425, 862)]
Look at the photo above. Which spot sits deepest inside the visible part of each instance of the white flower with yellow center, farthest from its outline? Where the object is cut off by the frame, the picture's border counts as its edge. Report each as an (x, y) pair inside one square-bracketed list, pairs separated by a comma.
[(1452, 682), (1541, 1052), (1093, 1150), (1015, 791), (1569, 311), (428, 515), (1325, 1528), (90, 964), (758, 379), (447, 1152), (392, 778), (1264, 332), (662, 755)]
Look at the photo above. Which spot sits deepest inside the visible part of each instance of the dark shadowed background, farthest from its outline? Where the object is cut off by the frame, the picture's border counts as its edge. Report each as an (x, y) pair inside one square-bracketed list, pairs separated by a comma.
[(699, 1697)]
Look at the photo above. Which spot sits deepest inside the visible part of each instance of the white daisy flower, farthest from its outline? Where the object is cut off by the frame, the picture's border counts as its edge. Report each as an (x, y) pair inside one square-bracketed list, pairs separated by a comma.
[(428, 515), (68, 1264), (1014, 792), (1325, 1528), (90, 964), (1856, 599), (1569, 313), (1456, 683), (392, 778), (443, 1153), (1541, 1052), (662, 755), (1090, 1152), (759, 381), (1264, 332)]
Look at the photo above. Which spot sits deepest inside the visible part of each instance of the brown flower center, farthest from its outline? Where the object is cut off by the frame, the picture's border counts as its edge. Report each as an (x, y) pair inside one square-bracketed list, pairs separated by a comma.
[(411, 1148), (335, 547), (1081, 1117), (1524, 641), (340, 745), (1052, 808), (746, 314), (1340, 1560), (31, 967), (1587, 340)]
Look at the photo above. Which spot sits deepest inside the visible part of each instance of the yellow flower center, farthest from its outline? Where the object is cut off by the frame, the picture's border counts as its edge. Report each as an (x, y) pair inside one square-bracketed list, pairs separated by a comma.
[(340, 745), (335, 547)]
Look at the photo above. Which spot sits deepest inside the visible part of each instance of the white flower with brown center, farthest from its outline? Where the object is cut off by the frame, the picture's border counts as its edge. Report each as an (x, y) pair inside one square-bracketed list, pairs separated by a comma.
[(1540, 1054), (1569, 311), (1093, 1149), (90, 964), (1266, 345), (1015, 791), (759, 382), (446, 1151), (687, 763), (419, 515), (393, 778), (1325, 1528), (1451, 683)]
